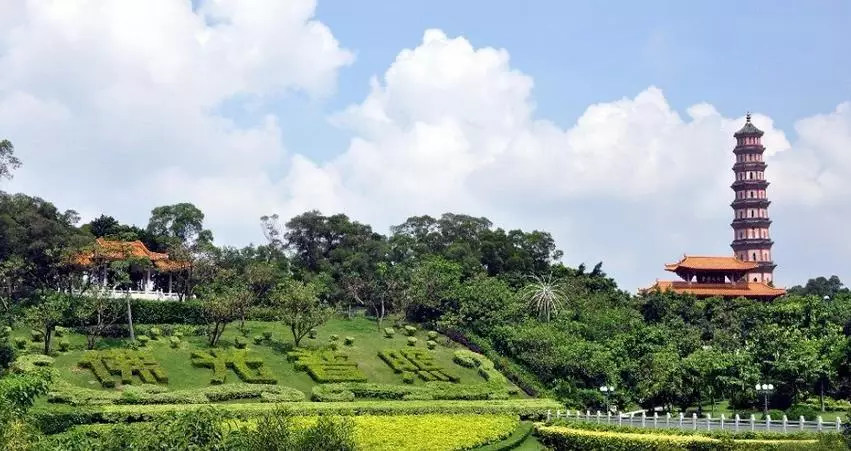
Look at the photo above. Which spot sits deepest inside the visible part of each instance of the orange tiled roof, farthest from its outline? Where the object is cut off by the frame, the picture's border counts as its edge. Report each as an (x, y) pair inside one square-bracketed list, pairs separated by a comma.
[(120, 250), (745, 289), (707, 263)]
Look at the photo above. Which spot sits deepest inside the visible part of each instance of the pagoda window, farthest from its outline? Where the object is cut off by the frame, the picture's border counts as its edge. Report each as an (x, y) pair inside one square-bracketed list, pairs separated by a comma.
[(754, 256)]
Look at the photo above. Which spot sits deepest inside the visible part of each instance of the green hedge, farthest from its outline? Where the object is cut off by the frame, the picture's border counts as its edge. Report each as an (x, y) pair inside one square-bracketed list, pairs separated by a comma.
[(326, 366), (580, 438), (52, 419), (523, 431), (429, 391), (249, 368), (174, 312), (64, 393)]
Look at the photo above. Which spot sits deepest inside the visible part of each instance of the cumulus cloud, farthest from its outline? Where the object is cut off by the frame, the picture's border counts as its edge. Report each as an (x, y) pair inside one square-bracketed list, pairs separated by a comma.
[(447, 127)]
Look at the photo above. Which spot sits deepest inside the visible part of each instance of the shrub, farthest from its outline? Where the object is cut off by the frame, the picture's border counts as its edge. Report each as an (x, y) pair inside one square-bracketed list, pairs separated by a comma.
[(326, 366), (334, 346), (174, 342), (412, 341), (464, 358), (434, 390), (431, 344), (410, 330), (349, 341), (64, 345), (156, 333), (37, 336), (143, 340), (30, 362), (20, 342), (774, 414), (389, 332), (258, 339), (267, 335), (240, 343), (432, 335), (177, 334), (408, 377), (249, 368), (795, 412), (124, 363), (312, 333), (59, 331), (334, 337)]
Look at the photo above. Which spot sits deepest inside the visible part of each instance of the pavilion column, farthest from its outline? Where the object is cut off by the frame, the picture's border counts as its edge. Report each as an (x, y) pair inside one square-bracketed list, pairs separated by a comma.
[(169, 282), (147, 280)]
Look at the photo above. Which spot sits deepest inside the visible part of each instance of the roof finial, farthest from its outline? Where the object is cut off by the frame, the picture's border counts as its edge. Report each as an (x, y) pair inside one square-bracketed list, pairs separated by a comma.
[(748, 117)]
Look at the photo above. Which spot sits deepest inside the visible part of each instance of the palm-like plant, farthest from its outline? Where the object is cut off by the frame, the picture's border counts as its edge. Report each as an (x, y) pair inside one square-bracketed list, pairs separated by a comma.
[(544, 295)]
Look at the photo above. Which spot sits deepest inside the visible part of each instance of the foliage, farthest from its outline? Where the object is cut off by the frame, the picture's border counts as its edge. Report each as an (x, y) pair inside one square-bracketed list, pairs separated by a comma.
[(545, 296), (250, 369), (18, 393), (432, 431), (435, 390), (64, 393), (226, 301), (49, 313), (389, 332), (416, 361), (300, 309), (59, 418), (29, 363), (279, 431), (8, 160), (125, 363), (563, 437), (326, 366)]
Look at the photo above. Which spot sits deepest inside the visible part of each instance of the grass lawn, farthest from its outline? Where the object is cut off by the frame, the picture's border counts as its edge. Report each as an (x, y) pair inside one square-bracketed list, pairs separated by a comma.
[(368, 341)]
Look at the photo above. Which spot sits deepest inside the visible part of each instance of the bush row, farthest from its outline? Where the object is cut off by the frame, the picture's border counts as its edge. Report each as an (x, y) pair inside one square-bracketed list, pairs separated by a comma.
[(742, 435), (124, 363), (518, 375), (64, 393), (174, 312), (520, 434), (574, 438), (428, 391), (326, 366), (487, 370), (249, 368), (57, 418)]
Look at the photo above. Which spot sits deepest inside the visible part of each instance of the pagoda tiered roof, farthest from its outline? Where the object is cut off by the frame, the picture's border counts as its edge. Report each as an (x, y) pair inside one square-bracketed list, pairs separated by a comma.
[(751, 290), (114, 250), (704, 263)]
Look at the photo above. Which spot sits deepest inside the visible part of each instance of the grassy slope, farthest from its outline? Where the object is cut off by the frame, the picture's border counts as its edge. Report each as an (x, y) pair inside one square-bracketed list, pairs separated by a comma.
[(368, 341)]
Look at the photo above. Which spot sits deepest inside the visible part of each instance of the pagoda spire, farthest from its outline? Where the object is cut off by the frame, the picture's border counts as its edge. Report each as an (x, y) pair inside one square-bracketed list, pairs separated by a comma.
[(751, 239)]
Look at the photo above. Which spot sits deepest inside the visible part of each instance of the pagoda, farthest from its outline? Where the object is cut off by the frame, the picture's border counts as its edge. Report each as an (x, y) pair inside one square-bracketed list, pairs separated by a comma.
[(749, 272)]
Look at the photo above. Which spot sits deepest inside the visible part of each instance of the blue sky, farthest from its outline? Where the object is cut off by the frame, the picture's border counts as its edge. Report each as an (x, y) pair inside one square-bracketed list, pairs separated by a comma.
[(228, 104)]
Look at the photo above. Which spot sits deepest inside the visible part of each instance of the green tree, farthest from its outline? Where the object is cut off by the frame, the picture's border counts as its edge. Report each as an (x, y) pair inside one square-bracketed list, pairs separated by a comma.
[(8, 161), (223, 303), (300, 309), (53, 308)]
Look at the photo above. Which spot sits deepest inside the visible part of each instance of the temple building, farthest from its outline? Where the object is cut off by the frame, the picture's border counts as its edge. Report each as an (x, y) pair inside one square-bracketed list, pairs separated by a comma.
[(749, 272), (151, 273)]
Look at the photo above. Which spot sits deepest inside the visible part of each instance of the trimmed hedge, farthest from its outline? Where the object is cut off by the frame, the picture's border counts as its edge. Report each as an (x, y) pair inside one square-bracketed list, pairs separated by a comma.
[(65, 393), (434, 390), (326, 366), (520, 434), (389, 332), (55, 418), (486, 367), (574, 438), (249, 368), (125, 363), (30, 362)]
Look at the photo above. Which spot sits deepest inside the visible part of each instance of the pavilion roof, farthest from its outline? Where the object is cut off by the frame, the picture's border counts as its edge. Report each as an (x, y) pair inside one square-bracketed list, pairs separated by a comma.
[(706, 263), (123, 250), (727, 290)]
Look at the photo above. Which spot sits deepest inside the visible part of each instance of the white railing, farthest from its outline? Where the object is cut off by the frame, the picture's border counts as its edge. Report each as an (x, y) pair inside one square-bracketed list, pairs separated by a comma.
[(707, 423), (157, 295)]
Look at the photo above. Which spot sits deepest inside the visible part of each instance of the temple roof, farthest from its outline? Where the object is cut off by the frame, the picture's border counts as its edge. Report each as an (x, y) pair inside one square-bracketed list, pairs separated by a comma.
[(727, 290), (748, 129), (711, 263), (123, 250)]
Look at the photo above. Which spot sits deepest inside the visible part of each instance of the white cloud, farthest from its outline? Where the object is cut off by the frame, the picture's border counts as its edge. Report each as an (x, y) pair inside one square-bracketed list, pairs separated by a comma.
[(447, 127)]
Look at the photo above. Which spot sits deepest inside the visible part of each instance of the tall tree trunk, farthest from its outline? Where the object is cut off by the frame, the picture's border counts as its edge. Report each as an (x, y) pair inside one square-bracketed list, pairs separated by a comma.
[(821, 395), (48, 334), (130, 319)]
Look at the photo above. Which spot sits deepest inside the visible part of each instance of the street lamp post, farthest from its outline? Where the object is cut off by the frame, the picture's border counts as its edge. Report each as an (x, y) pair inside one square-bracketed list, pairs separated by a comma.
[(765, 390), (606, 391)]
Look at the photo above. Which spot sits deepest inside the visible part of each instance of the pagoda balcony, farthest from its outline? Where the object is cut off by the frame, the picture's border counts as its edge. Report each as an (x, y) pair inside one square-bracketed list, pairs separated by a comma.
[(747, 223), (742, 284), (741, 166), (750, 184), (750, 202), (748, 148), (751, 243)]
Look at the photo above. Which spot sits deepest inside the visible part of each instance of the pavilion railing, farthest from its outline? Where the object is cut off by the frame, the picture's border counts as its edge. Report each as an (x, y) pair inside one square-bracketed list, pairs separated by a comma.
[(706, 423)]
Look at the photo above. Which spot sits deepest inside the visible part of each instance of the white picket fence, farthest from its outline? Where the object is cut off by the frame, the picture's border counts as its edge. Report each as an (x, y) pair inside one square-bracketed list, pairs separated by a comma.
[(707, 423)]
